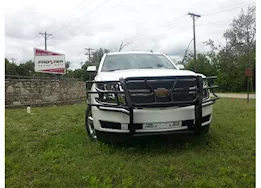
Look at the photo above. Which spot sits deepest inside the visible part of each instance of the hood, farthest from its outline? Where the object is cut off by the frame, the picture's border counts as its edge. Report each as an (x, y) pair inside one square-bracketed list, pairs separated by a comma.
[(116, 75)]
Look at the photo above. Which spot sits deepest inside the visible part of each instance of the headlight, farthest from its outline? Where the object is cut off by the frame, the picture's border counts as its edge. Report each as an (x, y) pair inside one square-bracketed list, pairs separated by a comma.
[(205, 82), (110, 97), (205, 91)]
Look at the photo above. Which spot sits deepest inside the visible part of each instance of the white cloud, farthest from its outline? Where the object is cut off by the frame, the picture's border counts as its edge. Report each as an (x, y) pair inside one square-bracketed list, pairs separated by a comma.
[(105, 23)]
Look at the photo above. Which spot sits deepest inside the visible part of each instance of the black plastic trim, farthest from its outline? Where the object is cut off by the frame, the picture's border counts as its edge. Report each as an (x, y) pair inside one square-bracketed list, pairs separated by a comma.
[(110, 125)]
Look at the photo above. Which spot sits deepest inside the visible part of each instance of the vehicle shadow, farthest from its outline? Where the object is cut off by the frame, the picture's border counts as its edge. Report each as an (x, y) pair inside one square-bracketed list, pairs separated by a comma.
[(159, 142)]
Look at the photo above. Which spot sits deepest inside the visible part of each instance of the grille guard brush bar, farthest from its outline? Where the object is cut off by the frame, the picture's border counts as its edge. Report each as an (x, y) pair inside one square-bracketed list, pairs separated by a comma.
[(129, 105)]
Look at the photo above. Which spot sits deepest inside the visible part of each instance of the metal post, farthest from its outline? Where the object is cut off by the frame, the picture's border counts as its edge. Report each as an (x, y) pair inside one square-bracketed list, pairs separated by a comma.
[(249, 84), (248, 90)]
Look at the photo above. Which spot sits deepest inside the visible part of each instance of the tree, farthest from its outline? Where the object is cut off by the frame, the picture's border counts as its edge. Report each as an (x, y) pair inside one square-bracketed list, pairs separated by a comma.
[(26, 69), (94, 61), (231, 60), (244, 29), (10, 68), (97, 56), (204, 65)]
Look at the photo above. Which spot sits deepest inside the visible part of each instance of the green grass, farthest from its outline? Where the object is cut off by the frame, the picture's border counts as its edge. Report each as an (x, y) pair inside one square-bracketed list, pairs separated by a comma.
[(50, 149)]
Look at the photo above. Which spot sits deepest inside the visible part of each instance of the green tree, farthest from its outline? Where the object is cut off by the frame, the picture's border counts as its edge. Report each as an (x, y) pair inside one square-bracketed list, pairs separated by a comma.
[(94, 61), (231, 60), (97, 56), (10, 68), (26, 69), (204, 65)]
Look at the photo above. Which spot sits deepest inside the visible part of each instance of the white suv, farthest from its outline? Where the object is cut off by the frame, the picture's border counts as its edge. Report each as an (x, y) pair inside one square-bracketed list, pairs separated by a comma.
[(145, 93)]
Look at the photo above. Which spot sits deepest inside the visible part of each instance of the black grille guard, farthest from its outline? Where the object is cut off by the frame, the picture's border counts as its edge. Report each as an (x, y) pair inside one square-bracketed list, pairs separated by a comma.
[(128, 105)]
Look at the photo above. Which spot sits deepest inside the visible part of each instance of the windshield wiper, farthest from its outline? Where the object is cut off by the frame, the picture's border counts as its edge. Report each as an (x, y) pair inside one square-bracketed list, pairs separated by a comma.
[(114, 70), (146, 67)]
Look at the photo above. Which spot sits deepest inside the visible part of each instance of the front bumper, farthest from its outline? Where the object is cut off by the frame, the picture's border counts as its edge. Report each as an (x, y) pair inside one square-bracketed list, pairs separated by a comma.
[(111, 120), (130, 119), (125, 136)]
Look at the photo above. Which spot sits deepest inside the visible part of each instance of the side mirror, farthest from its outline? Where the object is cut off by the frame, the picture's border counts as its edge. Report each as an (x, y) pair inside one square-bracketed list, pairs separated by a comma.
[(91, 69), (180, 66)]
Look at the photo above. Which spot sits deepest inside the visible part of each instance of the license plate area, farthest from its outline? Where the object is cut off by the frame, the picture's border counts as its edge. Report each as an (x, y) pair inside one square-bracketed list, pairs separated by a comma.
[(165, 125)]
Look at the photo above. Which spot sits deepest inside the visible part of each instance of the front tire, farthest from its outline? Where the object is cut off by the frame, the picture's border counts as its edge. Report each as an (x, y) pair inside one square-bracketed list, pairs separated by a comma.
[(91, 132)]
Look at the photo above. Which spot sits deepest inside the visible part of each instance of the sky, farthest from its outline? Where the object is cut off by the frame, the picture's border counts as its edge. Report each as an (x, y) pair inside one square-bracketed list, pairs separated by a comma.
[(162, 26)]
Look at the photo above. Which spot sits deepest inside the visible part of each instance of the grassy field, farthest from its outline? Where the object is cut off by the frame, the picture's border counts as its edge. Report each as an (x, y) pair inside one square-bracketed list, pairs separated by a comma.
[(50, 149)]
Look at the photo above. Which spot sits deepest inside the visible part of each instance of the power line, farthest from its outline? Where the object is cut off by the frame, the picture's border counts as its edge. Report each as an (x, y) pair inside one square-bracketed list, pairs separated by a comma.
[(210, 12), (216, 22), (111, 8), (68, 18), (220, 11), (170, 24), (45, 38), (125, 0), (61, 18), (206, 13), (116, 5), (167, 24), (83, 15), (174, 24), (107, 10)]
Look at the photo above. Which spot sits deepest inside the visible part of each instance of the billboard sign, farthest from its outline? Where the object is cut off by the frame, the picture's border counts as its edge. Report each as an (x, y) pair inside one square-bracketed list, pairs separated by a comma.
[(49, 62)]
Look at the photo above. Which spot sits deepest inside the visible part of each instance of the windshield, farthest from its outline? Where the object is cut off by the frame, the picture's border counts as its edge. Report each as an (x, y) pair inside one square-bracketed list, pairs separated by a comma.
[(136, 61)]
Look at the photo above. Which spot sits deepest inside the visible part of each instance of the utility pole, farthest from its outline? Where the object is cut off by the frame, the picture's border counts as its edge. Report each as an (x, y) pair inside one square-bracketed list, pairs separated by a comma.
[(194, 37), (249, 80), (13, 59), (89, 53), (46, 35)]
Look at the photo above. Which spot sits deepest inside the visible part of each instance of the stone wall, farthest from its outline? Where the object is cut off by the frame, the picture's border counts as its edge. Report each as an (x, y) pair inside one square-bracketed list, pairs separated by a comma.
[(38, 92)]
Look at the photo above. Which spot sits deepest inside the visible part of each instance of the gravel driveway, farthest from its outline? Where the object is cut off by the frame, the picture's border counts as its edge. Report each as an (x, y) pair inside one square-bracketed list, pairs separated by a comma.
[(236, 95)]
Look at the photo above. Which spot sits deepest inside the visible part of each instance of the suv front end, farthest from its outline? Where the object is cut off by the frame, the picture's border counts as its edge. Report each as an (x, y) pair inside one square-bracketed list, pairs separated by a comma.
[(170, 102)]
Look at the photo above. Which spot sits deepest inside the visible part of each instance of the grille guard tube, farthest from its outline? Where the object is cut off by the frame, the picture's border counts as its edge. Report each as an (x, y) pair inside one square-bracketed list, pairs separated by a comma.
[(198, 105), (129, 103), (130, 106)]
